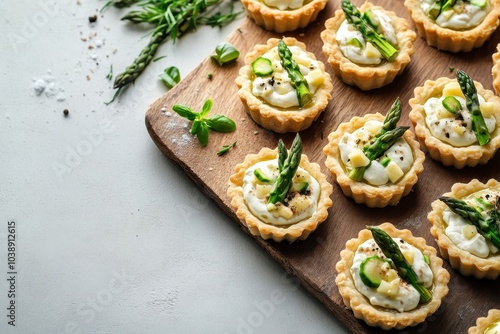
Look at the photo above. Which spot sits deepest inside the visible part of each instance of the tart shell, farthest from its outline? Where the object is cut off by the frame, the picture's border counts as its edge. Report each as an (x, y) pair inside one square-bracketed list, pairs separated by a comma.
[(495, 70), (447, 154), (452, 40), (378, 316), (290, 233), (283, 20), (364, 193), (483, 322), (367, 77), (463, 261)]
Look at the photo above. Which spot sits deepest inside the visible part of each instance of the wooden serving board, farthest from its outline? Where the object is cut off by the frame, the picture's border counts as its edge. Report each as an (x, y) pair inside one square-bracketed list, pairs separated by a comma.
[(313, 261)]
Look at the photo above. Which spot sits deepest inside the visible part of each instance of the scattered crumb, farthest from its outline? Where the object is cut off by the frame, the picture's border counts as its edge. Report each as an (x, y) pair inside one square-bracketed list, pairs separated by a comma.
[(256, 132), (243, 119), (93, 18), (88, 77), (66, 112), (210, 169), (168, 114)]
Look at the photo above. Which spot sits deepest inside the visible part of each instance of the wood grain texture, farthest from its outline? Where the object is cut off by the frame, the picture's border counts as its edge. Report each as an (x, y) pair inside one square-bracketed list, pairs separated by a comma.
[(313, 261)]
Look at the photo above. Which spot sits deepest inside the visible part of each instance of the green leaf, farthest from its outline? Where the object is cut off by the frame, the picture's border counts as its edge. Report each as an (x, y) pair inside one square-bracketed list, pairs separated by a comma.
[(225, 149), (225, 53), (207, 106), (195, 126), (202, 134), (185, 112), (170, 76), (221, 123)]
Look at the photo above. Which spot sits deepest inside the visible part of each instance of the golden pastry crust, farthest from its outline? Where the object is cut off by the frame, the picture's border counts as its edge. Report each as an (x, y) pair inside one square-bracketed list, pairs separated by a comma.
[(368, 77), (452, 40), (379, 316), (463, 261), (283, 20), (290, 233), (495, 70), (281, 120), (447, 154), (483, 322), (362, 192)]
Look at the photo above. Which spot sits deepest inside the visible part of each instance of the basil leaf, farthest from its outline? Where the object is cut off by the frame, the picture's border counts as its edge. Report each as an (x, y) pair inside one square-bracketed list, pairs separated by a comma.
[(184, 111), (170, 76), (225, 53), (195, 126), (202, 134), (221, 123), (206, 108)]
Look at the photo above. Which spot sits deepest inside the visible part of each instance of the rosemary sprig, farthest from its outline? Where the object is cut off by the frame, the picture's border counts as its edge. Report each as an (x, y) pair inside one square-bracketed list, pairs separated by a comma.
[(171, 19), (225, 149)]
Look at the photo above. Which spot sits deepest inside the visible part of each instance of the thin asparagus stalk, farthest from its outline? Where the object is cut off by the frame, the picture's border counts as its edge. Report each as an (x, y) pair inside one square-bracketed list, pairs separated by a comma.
[(469, 90), (290, 165), (297, 79), (487, 228), (377, 148), (282, 155), (405, 271), (391, 118), (354, 17)]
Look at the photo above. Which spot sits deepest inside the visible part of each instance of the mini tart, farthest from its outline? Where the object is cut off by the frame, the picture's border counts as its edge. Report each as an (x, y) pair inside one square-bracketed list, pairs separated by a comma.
[(283, 20), (281, 120), (290, 233), (495, 70), (461, 260), (379, 316), (362, 192), (484, 323), (367, 77), (453, 40), (447, 154)]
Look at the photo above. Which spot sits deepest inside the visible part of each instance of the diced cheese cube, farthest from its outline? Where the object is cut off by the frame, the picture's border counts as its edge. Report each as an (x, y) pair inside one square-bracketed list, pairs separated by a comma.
[(391, 275), (389, 289), (394, 172), (460, 130), (469, 231), (262, 190), (357, 158), (409, 255), (317, 77), (371, 51), (300, 203), (447, 14), (452, 89), (285, 212), (302, 60), (487, 109), (441, 113)]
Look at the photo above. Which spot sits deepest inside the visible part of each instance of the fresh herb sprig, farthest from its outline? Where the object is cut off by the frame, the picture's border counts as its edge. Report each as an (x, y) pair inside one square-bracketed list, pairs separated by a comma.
[(202, 124), (170, 77), (171, 19), (225, 149), (225, 53)]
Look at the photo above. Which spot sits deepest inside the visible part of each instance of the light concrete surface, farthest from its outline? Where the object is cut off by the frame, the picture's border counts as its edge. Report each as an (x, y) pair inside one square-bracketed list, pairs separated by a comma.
[(110, 235)]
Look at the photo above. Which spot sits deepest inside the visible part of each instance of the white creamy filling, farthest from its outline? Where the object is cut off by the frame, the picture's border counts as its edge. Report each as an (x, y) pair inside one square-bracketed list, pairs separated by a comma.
[(462, 16), (302, 205), (376, 174), (477, 245), (363, 55), (454, 131), (284, 4), (276, 89), (408, 297), (494, 328)]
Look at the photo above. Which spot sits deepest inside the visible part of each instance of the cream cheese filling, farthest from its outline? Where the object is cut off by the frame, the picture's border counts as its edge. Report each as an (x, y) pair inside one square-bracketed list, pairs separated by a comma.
[(463, 15), (376, 174), (284, 4), (366, 54), (276, 89), (460, 234), (300, 205), (407, 297), (452, 129)]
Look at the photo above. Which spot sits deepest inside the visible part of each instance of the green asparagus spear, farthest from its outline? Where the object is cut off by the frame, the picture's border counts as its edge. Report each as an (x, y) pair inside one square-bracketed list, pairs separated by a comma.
[(282, 154), (440, 6), (471, 101), (405, 271), (391, 118), (171, 18), (354, 17), (377, 148), (297, 79), (487, 228), (290, 165)]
